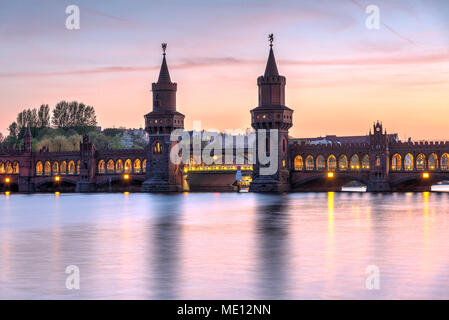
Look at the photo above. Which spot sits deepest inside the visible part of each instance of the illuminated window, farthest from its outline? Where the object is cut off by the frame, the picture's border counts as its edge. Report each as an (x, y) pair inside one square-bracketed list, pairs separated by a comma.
[(137, 166), (310, 165), (128, 166), (408, 162), (144, 166), (110, 166), (63, 168), (299, 163), (343, 163), (2, 167), (157, 148), (355, 163), (396, 162), (101, 167), (433, 162), (8, 168), (47, 168), (331, 163), (420, 162), (55, 168), (365, 162), (119, 166), (320, 163), (78, 163), (39, 168)]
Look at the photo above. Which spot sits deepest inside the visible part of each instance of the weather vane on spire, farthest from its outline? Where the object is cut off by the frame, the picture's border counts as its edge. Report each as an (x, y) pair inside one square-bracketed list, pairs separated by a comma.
[(164, 48), (271, 39)]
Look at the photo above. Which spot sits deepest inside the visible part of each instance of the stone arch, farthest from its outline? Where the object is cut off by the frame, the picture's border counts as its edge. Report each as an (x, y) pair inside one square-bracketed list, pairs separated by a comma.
[(47, 168), (137, 166), (157, 147), (110, 166), (119, 166), (396, 162), (421, 162), (15, 167), (128, 167), (63, 168), (432, 162), (101, 167), (78, 164), (408, 162), (39, 168), (365, 162), (144, 165), (299, 163), (71, 168), (354, 164), (445, 162), (331, 163), (2, 167), (55, 167), (343, 162), (8, 167), (310, 163), (320, 163)]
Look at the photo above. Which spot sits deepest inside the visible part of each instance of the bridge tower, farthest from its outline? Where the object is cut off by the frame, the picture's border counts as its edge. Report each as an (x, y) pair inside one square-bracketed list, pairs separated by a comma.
[(26, 163), (87, 166), (379, 160), (272, 114), (162, 175)]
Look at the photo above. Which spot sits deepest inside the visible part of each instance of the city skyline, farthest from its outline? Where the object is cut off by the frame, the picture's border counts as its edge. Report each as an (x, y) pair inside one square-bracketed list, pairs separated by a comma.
[(112, 60)]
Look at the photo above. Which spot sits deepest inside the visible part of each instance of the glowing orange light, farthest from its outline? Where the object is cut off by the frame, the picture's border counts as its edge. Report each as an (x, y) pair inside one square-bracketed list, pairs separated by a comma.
[(57, 194), (186, 170), (57, 178), (126, 193), (126, 177), (7, 193), (330, 175), (7, 180), (426, 175)]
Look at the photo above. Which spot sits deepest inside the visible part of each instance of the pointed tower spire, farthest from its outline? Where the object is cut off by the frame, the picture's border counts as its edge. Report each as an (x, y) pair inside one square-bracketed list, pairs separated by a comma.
[(164, 75), (28, 132), (271, 69)]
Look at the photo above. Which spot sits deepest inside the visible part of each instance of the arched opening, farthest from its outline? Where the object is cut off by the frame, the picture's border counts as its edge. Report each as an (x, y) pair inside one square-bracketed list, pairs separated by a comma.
[(71, 168), (331, 163), (8, 168), (343, 163), (63, 168), (433, 162), (444, 162), (144, 166), (378, 161), (55, 168), (110, 166), (78, 163), (39, 168), (47, 168), (284, 145), (408, 162), (320, 163), (355, 162), (128, 166), (137, 166), (310, 166), (396, 162), (299, 163), (2, 167), (421, 162), (101, 167), (119, 166), (15, 167), (365, 162), (157, 148)]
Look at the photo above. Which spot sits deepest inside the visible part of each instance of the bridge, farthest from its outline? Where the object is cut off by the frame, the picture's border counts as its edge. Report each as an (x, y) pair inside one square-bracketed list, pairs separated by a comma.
[(380, 161)]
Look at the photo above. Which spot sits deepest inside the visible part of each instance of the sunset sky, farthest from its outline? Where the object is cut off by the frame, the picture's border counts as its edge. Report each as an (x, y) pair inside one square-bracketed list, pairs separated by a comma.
[(341, 76)]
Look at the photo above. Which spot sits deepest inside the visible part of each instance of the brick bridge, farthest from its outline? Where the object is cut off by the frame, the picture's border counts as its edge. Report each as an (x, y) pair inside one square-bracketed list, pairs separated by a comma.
[(379, 160)]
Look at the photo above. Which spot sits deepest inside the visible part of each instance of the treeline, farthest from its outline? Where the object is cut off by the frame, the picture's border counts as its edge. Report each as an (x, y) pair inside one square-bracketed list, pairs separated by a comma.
[(62, 129)]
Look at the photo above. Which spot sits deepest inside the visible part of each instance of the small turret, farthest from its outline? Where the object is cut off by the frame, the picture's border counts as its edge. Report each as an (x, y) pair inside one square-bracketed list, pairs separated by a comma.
[(28, 139)]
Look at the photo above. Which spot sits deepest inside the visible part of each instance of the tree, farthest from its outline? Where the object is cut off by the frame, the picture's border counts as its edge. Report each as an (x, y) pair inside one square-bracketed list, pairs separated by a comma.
[(73, 114), (27, 116), (1, 138), (43, 116), (13, 130)]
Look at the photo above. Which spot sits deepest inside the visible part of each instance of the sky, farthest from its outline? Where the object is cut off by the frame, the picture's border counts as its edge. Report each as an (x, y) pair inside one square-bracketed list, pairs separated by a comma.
[(341, 76)]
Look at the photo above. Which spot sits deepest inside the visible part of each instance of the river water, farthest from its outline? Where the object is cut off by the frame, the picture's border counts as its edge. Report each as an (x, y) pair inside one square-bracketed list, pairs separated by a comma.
[(225, 246)]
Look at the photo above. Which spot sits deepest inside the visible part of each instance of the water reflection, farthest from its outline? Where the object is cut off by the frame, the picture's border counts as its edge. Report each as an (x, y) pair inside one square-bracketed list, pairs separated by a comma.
[(273, 252)]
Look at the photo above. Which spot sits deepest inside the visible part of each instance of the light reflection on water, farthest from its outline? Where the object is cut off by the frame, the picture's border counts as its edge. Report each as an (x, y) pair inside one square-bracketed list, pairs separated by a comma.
[(225, 246)]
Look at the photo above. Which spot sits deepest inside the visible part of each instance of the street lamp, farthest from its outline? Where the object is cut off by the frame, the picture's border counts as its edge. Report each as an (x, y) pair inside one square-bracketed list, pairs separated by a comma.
[(426, 175), (330, 175), (7, 180), (126, 177), (57, 178)]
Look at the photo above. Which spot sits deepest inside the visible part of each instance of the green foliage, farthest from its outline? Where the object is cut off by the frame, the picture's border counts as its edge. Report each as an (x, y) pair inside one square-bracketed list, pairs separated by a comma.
[(73, 114)]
